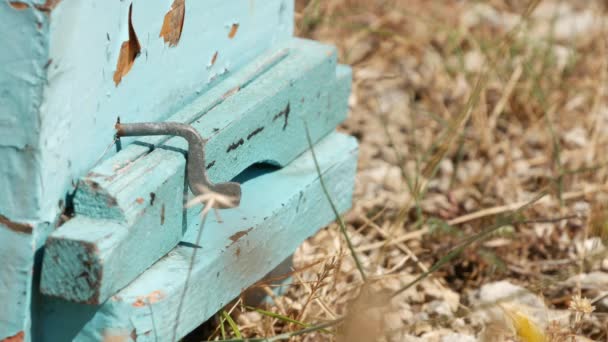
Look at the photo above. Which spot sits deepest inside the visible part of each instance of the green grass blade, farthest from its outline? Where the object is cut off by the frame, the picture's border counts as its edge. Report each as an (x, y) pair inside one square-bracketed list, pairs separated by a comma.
[(232, 324), (283, 318)]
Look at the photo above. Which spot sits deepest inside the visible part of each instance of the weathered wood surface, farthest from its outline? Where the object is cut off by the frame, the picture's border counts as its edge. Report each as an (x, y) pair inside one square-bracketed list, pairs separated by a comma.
[(279, 210), (129, 210), (59, 100), (58, 91)]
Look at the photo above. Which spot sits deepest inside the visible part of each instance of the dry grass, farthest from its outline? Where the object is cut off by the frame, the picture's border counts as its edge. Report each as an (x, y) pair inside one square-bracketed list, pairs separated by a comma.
[(465, 111)]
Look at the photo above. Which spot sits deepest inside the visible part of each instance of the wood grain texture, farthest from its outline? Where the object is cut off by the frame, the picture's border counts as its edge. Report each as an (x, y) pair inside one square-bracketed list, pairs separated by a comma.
[(280, 209), (128, 217)]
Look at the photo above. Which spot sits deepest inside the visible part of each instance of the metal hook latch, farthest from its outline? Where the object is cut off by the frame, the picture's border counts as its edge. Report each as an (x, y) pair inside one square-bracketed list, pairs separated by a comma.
[(197, 172)]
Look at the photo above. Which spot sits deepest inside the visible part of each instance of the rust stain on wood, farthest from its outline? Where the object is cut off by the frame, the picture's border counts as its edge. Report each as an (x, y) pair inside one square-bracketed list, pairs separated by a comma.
[(238, 235), (129, 50), (173, 23), (18, 5), (233, 30), (18, 227)]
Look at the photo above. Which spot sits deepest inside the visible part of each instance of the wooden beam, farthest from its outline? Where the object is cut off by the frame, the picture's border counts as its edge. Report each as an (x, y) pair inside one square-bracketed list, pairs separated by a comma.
[(130, 209), (280, 209), (59, 100)]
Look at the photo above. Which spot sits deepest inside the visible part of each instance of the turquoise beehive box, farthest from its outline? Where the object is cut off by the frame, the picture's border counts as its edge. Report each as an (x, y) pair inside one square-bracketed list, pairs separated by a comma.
[(95, 239)]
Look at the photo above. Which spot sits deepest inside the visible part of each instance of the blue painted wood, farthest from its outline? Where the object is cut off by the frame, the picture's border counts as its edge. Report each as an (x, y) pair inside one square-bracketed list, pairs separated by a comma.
[(88, 260), (21, 73), (279, 210), (61, 108), (59, 100)]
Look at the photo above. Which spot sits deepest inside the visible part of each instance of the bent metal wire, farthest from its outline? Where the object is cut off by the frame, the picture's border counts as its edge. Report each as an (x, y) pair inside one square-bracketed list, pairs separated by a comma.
[(197, 173)]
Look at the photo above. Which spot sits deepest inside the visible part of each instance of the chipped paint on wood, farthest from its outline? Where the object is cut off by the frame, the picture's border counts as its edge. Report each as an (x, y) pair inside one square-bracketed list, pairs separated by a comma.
[(18, 5), (285, 114), (255, 132), (23, 228), (235, 145), (234, 28), (213, 59), (236, 236), (127, 242), (54, 138), (220, 272), (129, 50), (19, 337), (48, 6), (173, 23), (149, 299)]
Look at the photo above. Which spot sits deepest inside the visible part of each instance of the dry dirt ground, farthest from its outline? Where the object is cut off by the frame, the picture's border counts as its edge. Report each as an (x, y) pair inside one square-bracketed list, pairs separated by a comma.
[(480, 209)]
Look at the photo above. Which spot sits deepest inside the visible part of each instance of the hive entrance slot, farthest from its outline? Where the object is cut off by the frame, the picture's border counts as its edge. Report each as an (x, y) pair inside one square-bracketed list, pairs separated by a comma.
[(256, 170)]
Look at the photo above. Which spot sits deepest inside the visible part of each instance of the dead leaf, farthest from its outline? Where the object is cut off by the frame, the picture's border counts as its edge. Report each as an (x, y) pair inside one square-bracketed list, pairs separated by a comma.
[(174, 23), (129, 50)]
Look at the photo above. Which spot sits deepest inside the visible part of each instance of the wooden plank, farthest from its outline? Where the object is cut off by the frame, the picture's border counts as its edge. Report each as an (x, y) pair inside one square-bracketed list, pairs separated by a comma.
[(20, 252), (89, 258), (13, 316), (61, 106), (59, 100), (280, 209), (22, 73)]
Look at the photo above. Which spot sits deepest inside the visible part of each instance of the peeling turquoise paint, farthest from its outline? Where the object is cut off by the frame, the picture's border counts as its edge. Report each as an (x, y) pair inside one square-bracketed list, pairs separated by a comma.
[(81, 101), (59, 101)]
